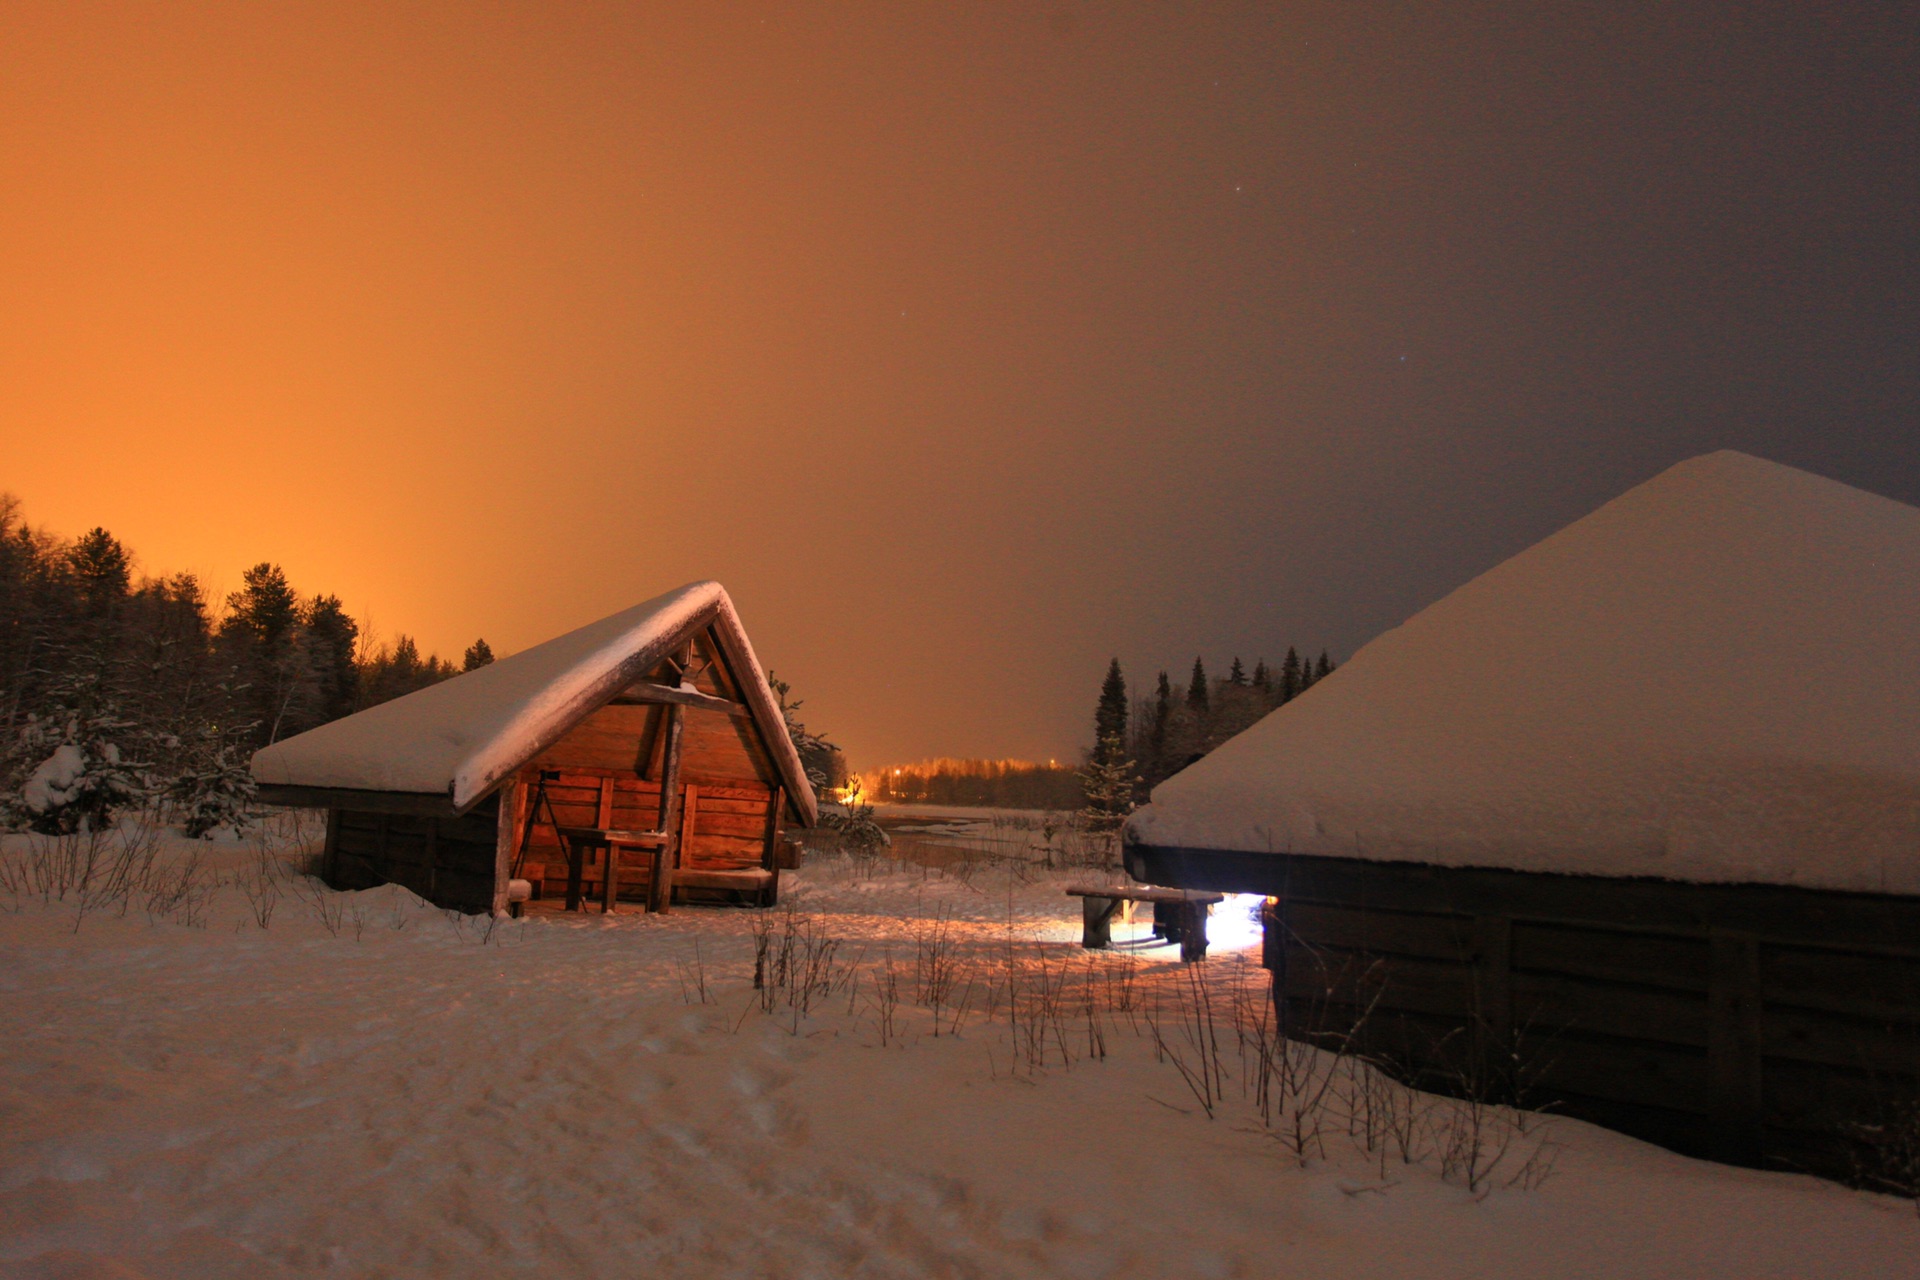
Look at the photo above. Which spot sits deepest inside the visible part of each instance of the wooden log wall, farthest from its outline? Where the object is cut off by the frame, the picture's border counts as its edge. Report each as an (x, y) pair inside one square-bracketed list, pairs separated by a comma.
[(446, 860), (1760, 1025)]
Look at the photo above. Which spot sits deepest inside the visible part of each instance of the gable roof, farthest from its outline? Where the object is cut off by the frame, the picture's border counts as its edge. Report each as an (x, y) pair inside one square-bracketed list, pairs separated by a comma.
[(1714, 677), (462, 736)]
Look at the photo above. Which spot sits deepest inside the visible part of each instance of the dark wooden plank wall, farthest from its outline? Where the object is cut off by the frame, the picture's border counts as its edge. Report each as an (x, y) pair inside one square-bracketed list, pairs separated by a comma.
[(1757, 1024), (448, 861)]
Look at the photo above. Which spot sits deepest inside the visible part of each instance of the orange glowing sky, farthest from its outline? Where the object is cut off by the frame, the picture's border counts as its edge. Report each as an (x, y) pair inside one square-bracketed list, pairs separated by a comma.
[(967, 344)]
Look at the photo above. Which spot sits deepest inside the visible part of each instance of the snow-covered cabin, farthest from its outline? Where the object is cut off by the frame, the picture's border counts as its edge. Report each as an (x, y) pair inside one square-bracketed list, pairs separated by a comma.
[(649, 739), (1633, 816)]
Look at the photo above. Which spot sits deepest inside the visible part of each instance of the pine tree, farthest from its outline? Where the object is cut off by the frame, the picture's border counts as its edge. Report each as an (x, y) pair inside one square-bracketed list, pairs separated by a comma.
[(332, 637), (272, 676), (478, 654), (1236, 674), (1262, 678), (101, 571), (1323, 668), (265, 609), (1290, 676), (1198, 701), (1110, 715)]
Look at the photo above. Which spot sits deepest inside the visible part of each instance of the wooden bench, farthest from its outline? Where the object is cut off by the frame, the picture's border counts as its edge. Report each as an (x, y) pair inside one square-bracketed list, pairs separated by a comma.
[(1179, 915)]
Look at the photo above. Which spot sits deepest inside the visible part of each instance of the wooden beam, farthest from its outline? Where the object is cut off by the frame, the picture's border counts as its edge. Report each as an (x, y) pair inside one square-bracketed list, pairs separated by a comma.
[(506, 841), (646, 695), (660, 888), (426, 803)]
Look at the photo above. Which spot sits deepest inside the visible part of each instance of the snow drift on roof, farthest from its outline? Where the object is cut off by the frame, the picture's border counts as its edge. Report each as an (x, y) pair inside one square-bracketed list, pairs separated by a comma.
[(462, 736), (1714, 677)]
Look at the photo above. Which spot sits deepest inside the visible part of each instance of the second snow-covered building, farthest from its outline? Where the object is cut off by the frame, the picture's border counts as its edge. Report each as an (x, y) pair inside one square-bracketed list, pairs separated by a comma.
[(1630, 822)]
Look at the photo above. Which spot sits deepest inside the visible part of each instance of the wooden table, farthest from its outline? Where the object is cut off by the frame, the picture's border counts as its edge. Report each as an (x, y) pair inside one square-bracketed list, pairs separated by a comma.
[(613, 840), (1184, 921)]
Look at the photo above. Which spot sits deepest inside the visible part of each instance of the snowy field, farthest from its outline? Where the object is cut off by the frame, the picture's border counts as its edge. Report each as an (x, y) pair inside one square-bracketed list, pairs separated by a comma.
[(268, 1079)]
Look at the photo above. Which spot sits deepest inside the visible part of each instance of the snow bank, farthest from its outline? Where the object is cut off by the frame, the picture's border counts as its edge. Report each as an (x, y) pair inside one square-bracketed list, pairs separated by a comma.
[(408, 1093), (1714, 677), (463, 735)]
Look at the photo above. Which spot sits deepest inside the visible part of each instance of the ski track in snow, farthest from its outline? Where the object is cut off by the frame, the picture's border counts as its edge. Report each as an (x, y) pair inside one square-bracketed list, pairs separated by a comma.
[(415, 1101)]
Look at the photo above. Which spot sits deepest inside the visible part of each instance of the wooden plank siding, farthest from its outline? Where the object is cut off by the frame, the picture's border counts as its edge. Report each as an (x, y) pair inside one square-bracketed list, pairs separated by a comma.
[(1759, 1024), (448, 861)]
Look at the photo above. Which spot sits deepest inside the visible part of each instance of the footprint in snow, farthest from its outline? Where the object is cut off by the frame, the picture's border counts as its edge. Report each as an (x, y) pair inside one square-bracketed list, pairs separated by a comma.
[(750, 1081)]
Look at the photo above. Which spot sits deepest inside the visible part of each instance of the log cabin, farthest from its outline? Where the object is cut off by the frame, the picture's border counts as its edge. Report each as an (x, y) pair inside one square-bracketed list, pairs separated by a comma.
[(642, 758), (1628, 825)]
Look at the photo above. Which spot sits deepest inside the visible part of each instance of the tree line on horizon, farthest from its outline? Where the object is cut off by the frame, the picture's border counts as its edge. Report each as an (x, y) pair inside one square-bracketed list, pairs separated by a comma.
[(989, 784), (1140, 741), (118, 688)]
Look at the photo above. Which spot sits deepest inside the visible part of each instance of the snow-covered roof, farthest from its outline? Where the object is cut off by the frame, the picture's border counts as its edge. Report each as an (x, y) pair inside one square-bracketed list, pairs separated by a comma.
[(462, 736), (1714, 677)]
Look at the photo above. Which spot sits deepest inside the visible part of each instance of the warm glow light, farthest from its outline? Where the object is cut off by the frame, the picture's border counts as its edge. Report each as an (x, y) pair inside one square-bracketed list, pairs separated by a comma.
[(1235, 924)]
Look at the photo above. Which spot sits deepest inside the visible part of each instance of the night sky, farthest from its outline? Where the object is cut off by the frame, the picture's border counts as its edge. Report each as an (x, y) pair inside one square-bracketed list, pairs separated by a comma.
[(968, 345)]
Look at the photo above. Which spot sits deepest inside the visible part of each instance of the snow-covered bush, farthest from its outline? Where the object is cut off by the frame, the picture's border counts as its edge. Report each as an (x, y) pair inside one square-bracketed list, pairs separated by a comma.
[(69, 774), (215, 791)]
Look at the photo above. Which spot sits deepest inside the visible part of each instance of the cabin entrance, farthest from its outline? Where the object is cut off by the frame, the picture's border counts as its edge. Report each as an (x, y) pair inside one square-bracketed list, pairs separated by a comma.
[(579, 826)]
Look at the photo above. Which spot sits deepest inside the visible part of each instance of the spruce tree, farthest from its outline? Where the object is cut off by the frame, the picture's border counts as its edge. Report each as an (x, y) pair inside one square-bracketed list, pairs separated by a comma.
[(1198, 701), (1109, 783), (1290, 676), (1110, 717), (1323, 668), (478, 654), (1262, 678), (1162, 716), (1236, 674)]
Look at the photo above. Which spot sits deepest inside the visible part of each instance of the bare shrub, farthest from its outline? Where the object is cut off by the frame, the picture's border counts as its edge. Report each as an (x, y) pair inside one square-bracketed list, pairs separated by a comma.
[(693, 978), (794, 961)]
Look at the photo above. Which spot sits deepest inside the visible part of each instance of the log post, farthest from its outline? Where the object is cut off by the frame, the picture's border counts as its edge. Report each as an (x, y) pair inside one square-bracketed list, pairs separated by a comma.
[(660, 891), (1096, 921), (1193, 931), (610, 874), (506, 827), (1273, 956)]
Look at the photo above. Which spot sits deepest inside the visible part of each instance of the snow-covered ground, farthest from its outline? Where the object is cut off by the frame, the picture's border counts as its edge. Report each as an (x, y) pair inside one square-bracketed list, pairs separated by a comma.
[(365, 1086)]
